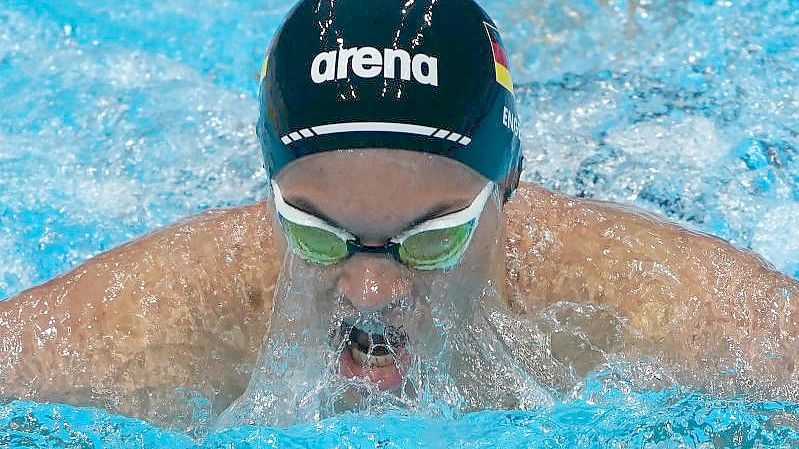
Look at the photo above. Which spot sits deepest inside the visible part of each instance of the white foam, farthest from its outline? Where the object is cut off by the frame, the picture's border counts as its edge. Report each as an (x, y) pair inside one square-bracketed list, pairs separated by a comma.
[(776, 237), (693, 139)]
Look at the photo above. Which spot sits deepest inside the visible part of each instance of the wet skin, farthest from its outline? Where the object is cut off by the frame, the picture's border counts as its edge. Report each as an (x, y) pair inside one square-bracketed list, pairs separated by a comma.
[(393, 191), (187, 306)]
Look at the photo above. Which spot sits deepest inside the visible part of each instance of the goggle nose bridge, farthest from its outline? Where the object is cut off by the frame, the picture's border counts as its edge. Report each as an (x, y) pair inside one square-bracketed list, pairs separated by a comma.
[(390, 248)]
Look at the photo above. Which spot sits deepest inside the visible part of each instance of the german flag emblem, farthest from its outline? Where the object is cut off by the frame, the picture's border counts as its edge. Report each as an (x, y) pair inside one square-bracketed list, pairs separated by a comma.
[(501, 66)]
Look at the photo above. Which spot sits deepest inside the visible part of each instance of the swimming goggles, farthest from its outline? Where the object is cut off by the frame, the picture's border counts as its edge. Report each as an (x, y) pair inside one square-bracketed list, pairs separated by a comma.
[(435, 244)]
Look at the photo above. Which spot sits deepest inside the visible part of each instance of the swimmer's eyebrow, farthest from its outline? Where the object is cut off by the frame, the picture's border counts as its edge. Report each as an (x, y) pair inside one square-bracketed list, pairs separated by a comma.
[(439, 210), (309, 208)]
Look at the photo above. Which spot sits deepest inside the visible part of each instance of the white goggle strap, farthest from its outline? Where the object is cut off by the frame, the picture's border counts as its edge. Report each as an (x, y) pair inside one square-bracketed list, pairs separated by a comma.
[(452, 220), (295, 215)]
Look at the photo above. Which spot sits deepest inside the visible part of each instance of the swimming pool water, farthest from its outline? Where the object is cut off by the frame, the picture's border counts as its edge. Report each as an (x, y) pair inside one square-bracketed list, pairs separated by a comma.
[(599, 418), (118, 118)]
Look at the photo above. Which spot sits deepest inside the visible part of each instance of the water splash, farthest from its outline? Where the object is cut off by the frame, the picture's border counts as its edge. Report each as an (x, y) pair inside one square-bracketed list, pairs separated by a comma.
[(457, 362)]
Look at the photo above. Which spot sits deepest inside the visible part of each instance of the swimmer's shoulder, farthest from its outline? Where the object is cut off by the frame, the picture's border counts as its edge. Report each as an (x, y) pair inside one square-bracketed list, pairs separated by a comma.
[(533, 204), (209, 248), (239, 237), (252, 216)]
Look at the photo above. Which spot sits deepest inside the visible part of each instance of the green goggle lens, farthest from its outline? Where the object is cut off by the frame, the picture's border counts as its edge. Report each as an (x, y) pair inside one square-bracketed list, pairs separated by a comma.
[(436, 249), (314, 244), (428, 250)]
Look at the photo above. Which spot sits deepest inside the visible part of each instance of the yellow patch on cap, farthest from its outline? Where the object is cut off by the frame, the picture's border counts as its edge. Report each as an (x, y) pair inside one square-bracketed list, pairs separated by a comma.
[(264, 66)]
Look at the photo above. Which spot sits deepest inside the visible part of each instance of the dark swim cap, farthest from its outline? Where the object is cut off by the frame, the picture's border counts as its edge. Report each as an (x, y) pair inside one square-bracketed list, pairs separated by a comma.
[(424, 75)]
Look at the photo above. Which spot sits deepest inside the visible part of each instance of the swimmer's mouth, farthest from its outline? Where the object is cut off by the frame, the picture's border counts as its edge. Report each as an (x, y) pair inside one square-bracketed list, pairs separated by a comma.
[(376, 347)]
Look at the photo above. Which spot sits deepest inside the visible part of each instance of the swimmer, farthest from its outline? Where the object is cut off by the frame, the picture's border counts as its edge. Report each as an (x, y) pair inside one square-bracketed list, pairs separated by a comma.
[(391, 142)]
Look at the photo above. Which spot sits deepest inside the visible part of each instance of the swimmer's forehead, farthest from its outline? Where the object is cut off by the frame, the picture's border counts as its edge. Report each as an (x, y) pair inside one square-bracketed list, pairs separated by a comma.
[(365, 166), (378, 191)]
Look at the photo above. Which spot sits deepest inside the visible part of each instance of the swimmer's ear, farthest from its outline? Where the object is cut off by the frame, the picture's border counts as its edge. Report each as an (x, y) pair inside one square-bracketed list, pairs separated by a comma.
[(511, 182)]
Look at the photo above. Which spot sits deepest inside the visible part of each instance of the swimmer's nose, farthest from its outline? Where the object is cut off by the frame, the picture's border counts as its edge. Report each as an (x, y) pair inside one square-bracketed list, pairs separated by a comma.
[(373, 281)]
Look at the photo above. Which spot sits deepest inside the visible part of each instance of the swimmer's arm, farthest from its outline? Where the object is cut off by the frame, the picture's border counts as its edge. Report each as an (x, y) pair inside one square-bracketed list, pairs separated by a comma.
[(694, 298), (182, 307)]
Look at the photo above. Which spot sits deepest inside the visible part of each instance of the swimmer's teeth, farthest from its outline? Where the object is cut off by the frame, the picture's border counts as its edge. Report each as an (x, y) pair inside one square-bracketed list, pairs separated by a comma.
[(374, 360)]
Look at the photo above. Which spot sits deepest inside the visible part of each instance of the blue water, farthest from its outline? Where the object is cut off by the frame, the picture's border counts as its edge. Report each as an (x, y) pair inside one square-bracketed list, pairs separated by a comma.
[(597, 418), (119, 118)]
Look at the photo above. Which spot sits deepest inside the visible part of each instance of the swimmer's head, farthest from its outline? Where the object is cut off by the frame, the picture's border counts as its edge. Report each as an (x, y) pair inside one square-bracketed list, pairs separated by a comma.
[(428, 76), (378, 329), (390, 137)]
